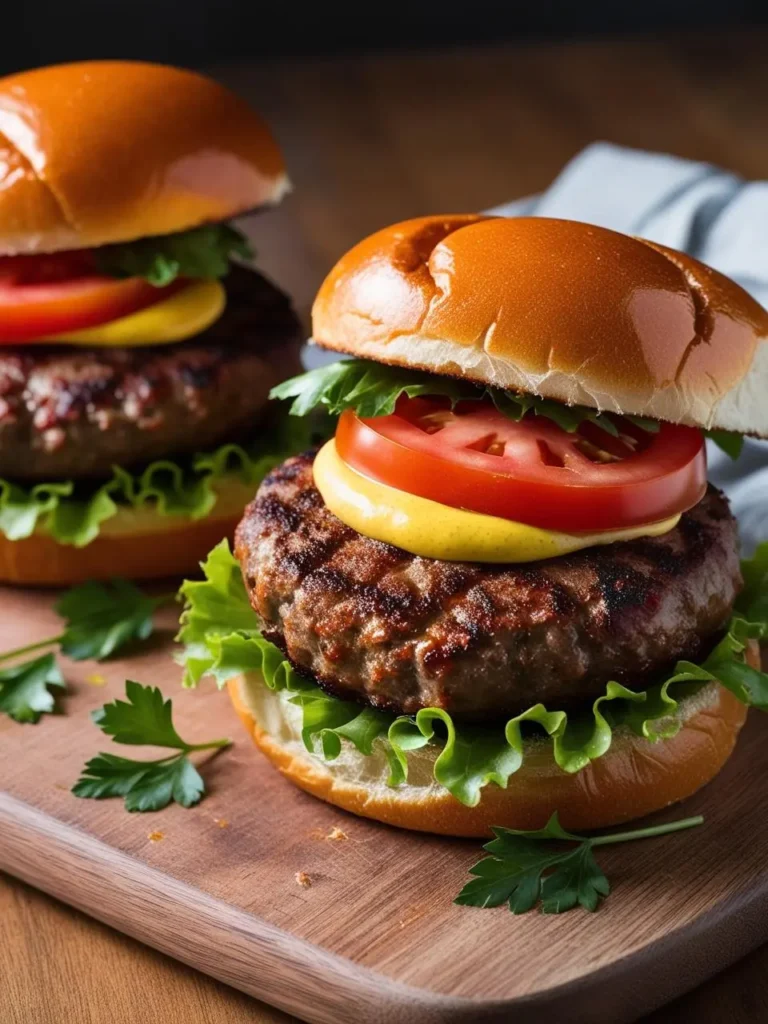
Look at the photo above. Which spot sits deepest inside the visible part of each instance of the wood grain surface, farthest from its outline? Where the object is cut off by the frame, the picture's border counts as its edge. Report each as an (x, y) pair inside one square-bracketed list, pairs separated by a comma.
[(60, 966), (217, 886), (370, 140)]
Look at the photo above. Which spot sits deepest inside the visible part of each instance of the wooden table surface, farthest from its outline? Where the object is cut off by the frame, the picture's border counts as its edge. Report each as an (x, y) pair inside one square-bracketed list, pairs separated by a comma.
[(370, 140)]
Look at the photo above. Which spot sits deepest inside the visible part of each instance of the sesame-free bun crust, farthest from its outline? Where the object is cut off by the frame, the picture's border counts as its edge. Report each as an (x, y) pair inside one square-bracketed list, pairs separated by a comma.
[(137, 544), (636, 777), (555, 308), (108, 151)]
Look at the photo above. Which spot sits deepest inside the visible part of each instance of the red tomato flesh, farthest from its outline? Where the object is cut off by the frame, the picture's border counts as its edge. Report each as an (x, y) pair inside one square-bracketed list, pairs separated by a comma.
[(52, 294), (534, 472)]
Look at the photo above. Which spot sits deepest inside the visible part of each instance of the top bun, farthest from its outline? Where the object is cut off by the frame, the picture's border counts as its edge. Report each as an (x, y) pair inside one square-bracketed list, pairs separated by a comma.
[(109, 151), (554, 308)]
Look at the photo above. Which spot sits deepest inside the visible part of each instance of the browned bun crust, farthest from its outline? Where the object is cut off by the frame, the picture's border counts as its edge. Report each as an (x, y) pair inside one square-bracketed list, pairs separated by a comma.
[(39, 560), (558, 308), (108, 151), (635, 778)]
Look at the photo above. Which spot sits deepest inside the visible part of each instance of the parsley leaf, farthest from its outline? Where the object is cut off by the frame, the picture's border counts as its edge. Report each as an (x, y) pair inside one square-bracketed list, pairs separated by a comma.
[(525, 870), (145, 785), (25, 689), (728, 442), (203, 251), (145, 718), (578, 881), (372, 389), (101, 618)]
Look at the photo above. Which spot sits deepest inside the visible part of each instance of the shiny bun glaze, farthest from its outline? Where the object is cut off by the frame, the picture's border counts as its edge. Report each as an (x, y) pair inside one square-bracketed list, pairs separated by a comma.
[(557, 308), (108, 151), (634, 778)]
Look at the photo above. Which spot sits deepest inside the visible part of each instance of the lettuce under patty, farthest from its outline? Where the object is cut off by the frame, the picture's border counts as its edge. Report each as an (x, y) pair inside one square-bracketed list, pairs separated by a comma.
[(73, 514), (221, 638)]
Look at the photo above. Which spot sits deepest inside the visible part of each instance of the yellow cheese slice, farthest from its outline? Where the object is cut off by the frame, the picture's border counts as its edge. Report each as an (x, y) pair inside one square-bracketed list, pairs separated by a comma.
[(186, 313), (432, 530)]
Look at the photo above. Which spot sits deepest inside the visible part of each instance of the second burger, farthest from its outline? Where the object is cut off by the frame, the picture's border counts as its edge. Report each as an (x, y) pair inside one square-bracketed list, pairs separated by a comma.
[(132, 335)]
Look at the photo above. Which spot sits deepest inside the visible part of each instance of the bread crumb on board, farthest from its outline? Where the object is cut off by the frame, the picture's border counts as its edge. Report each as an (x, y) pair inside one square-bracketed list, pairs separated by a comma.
[(156, 837), (412, 915), (303, 879), (336, 834)]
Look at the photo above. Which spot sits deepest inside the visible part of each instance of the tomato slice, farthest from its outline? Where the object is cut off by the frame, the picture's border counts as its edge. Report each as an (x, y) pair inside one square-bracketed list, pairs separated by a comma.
[(533, 471), (46, 295)]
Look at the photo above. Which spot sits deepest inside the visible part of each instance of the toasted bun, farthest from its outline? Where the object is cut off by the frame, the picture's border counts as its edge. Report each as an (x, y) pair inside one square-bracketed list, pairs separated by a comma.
[(137, 544), (554, 308), (635, 777), (108, 151)]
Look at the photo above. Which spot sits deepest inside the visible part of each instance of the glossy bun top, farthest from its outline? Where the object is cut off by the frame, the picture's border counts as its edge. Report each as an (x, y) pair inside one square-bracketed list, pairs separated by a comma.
[(555, 308), (108, 151)]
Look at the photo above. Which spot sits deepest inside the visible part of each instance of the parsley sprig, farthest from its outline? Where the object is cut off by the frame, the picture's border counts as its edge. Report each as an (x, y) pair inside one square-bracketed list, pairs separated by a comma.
[(144, 719), (524, 868), (25, 690), (99, 620)]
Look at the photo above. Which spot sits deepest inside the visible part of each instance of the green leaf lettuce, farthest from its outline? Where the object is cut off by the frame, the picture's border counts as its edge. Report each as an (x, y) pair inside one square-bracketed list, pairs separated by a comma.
[(186, 487), (221, 637), (372, 389), (201, 252)]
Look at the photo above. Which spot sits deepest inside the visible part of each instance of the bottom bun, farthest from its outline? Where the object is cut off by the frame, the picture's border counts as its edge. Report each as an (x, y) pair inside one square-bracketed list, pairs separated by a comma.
[(135, 544), (635, 777)]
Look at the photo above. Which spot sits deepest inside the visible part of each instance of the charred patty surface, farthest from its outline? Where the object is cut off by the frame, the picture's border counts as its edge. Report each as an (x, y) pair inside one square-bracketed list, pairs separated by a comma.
[(372, 622), (74, 412)]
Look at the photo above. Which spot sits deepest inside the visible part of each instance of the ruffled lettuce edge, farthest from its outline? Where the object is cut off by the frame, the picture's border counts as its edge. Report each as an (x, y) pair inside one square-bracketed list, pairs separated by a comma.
[(186, 488), (220, 637)]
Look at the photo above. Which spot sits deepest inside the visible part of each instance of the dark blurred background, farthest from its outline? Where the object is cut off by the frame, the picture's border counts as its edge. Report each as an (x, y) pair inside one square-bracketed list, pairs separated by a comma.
[(386, 111), (207, 31)]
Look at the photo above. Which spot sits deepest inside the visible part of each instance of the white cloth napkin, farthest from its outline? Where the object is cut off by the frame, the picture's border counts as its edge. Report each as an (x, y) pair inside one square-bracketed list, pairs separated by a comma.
[(712, 214)]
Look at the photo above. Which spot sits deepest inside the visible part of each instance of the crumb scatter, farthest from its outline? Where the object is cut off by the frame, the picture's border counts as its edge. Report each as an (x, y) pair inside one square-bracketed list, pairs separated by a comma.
[(335, 835)]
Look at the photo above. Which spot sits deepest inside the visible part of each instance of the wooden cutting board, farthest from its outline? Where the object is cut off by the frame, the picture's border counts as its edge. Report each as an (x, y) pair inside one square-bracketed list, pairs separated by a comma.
[(375, 936)]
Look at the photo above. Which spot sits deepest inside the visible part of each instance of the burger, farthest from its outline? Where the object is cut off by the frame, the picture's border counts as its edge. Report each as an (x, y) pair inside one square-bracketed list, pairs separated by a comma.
[(505, 587), (137, 347)]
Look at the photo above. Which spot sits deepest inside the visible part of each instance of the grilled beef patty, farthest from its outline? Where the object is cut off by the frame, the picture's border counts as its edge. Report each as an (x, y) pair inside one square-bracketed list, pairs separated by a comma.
[(75, 412), (371, 622)]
